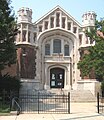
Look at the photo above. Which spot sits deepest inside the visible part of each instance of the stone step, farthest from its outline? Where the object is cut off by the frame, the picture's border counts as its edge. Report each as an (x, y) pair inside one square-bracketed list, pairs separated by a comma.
[(75, 95)]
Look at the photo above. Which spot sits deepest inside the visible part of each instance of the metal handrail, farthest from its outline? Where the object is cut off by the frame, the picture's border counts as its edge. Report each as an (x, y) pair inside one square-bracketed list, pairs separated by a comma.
[(15, 102)]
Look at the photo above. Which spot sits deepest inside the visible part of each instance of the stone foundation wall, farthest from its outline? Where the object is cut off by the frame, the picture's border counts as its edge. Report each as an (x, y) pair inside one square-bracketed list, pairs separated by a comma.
[(29, 86), (92, 85)]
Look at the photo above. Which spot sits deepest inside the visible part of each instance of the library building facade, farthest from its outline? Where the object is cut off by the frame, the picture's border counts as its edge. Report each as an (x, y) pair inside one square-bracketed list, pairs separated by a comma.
[(49, 49)]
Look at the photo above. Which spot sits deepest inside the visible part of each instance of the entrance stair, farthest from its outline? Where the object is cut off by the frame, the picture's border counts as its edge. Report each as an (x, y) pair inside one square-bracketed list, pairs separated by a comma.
[(82, 96), (76, 95)]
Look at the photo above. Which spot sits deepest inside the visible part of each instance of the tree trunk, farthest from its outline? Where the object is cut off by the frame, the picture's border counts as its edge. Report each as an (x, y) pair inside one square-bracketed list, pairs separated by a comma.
[(103, 93), (0, 74)]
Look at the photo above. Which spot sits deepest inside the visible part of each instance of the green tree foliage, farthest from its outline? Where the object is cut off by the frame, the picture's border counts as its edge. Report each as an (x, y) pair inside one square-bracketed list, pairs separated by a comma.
[(8, 31), (7, 35), (94, 60), (9, 83)]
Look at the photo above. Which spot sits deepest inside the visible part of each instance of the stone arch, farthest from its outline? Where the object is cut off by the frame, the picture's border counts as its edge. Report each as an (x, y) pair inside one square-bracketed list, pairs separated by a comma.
[(61, 32), (56, 66)]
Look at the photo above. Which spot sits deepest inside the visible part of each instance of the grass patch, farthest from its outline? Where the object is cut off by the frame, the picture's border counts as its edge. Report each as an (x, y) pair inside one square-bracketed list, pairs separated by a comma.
[(4, 114), (4, 108)]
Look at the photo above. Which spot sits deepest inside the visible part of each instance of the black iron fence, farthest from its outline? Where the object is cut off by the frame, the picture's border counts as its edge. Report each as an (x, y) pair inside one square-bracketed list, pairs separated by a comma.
[(35, 103), (100, 103), (45, 103), (9, 102)]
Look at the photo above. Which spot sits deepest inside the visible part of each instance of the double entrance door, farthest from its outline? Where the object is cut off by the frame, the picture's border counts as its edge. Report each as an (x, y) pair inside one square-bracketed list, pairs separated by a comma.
[(57, 78)]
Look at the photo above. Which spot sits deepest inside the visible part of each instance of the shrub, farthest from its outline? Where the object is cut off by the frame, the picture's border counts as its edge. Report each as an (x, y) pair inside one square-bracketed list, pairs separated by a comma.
[(9, 83)]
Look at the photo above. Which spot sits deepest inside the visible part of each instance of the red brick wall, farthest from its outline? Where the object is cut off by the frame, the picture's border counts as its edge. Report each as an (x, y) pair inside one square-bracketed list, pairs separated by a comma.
[(10, 70), (26, 62), (25, 66)]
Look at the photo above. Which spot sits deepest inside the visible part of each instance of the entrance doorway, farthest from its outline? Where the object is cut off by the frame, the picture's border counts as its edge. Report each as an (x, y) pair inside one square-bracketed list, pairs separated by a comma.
[(57, 78)]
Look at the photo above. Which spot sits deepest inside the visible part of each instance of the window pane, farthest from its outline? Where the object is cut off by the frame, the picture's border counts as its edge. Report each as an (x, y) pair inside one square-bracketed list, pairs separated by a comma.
[(74, 29), (63, 22), (52, 22), (29, 36), (69, 25), (46, 24), (47, 49), (57, 46), (35, 35), (57, 19), (80, 39), (24, 35), (40, 28), (66, 50)]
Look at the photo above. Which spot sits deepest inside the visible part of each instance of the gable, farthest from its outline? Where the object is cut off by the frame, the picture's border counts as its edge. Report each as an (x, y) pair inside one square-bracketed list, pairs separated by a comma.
[(62, 14)]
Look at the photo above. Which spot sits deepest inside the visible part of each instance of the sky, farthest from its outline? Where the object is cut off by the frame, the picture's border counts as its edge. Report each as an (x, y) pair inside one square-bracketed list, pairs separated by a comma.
[(75, 8)]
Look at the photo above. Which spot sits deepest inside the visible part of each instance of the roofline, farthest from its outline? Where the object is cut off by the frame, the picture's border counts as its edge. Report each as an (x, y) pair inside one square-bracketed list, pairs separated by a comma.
[(54, 10)]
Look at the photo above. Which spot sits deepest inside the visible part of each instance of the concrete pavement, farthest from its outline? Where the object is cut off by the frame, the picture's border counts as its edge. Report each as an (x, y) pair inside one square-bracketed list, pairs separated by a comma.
[(79, 111)]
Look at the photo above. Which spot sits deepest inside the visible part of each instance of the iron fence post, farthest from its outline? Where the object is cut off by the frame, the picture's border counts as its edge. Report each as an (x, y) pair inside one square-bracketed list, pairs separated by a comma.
[(98, 102), (69, 102), (38, 102), (10, 101)]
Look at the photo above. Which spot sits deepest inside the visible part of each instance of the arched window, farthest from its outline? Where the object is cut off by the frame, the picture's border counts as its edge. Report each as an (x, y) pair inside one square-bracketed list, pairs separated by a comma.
[(56, 46), (66, 50), (47, 49)]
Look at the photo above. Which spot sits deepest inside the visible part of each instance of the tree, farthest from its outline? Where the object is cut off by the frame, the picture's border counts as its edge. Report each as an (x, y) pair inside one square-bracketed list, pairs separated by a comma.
[(94, 60), (7, 35), (9, 83)]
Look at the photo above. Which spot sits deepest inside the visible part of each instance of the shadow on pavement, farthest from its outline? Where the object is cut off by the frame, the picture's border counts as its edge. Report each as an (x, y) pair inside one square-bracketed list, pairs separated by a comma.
[(90, 116)]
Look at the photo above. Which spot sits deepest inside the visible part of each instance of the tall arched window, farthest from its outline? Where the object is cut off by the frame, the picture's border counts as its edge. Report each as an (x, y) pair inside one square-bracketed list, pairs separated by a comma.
[(56, 46), (47, 49), (66, 50)]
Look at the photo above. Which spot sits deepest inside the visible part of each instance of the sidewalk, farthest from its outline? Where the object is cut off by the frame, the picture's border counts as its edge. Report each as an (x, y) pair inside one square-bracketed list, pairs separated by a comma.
[(79, 111)]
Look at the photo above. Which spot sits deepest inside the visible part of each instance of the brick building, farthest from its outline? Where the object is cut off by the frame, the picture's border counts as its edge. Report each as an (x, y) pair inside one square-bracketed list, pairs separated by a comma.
[(48, 50)]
